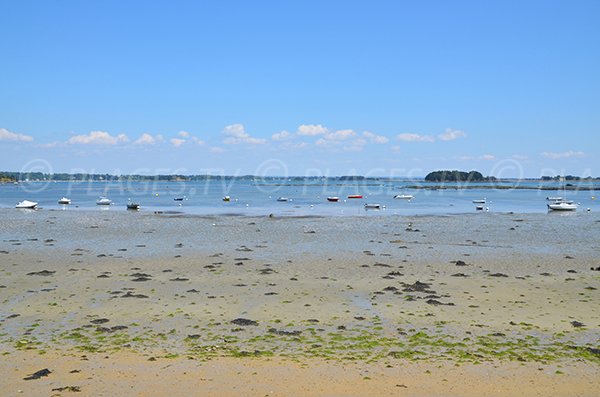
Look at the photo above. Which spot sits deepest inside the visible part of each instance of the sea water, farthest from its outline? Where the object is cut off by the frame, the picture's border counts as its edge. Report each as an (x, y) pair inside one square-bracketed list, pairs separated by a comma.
[(306, 197)]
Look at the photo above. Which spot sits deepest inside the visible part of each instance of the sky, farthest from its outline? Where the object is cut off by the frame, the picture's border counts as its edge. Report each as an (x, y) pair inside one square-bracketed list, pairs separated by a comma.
[(376, 88)]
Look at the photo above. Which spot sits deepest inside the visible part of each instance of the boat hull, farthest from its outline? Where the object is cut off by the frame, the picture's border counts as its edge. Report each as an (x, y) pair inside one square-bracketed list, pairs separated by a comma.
[(26, 204), (103, 201), (562, 207)]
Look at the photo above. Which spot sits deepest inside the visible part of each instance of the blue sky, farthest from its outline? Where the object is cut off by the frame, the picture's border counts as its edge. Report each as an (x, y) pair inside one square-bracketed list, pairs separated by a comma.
[(510, 88)]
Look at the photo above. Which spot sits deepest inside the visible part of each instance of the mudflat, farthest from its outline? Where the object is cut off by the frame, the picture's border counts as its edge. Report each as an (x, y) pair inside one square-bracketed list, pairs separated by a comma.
[(149, 304)]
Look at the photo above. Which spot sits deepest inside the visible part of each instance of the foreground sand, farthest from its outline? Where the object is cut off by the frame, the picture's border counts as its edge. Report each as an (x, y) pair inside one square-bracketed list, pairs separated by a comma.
[(497, 304), (132, 375)]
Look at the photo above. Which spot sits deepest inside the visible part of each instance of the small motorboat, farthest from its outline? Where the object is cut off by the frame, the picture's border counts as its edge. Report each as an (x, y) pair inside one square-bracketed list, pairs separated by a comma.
[(27, 204), (355, 196), (554, 198), (226, 198), (133, 206), (562, 205), (483, 201), (179, 198), (283, 199), (479, 207), (373, 206), (333, 199), (64, 201), (404, 196), (103, 201)]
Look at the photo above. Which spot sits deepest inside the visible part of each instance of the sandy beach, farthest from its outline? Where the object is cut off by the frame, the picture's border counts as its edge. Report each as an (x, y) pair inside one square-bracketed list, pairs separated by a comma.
[(150, 304)]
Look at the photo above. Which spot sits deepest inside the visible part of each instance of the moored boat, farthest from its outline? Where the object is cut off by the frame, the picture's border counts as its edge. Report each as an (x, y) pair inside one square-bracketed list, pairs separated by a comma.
[(103, 201), (27, 204), (404, 196), (554, 198), (562, 205), (333, 199), (283, 199), (482, 201), (64, 201), (355, 196), (226, 198), (133, 206), (373, 206)]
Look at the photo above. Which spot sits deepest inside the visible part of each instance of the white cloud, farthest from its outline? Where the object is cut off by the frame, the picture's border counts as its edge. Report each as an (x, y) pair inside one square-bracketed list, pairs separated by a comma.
[(280, 136), (300, 145), (563, 155), (183, 134), (237, 134), (6, 135), (311, 130), (485, 157), (51, 144), (375, 138), (177, 141), (450, 135), (145, 139), (217, 149), (98, 138), (396, 149), (197, 140), (340, 135), (415, 138), (356, 145)]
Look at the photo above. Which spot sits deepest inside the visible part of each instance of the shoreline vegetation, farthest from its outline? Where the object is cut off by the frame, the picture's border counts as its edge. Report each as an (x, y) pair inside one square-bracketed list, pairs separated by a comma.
[(444, 176), (447, 180)]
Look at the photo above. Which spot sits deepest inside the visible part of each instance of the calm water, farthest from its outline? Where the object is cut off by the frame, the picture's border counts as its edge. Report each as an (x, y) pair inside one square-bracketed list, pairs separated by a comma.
[(306, 198)]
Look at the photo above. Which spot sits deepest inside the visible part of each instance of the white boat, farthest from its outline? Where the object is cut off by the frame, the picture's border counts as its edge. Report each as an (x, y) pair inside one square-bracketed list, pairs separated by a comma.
[(64, 201), (283, 199), (562, 205), (27, 204), (333, 199), (483, 201), (373, 206), (404, 196), (103, 201), (226, 198)]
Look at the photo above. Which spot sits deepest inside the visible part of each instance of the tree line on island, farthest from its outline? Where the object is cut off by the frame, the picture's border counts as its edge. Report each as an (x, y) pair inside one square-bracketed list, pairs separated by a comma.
[(457, 176)]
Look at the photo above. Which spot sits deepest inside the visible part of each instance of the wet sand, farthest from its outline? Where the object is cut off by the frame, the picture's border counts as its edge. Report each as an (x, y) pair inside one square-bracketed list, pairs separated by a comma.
[(507, 301)]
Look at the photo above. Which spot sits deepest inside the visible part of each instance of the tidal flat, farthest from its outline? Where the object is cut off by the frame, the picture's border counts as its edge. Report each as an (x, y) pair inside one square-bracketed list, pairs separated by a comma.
[(506, 292)]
